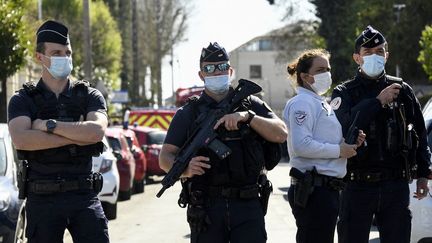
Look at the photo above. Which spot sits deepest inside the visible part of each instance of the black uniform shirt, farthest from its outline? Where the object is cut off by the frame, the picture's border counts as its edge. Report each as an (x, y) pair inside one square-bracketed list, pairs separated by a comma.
[(21, 104), (359, 95), (178, 130)]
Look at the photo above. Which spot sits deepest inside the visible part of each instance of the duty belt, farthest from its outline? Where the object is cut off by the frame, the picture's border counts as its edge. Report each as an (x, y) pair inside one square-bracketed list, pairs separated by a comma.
[(60, 185), (376, 175), (246, 192), (324, 181)]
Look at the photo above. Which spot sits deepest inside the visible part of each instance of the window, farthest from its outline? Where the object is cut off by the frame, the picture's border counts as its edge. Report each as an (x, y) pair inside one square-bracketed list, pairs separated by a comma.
[(255, 71)]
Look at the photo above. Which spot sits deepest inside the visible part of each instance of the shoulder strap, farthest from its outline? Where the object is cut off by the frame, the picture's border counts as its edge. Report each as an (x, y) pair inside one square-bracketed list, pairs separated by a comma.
[(31, 89), (80, 92)]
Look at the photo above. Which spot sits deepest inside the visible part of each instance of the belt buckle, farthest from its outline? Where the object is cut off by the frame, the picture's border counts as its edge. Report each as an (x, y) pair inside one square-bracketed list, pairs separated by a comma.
[(60, 183)]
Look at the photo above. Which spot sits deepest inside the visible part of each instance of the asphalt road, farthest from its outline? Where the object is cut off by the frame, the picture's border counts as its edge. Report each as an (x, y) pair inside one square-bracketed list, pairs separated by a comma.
[(146, 218)]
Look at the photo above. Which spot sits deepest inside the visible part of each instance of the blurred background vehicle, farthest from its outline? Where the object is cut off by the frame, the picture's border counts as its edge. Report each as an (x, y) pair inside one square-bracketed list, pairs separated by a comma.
[(12, 209), (140, 160), (151, 140), (106, 164), (125, 161)]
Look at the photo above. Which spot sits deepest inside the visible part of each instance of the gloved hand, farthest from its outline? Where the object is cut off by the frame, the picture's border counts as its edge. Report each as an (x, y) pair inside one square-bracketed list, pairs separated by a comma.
[(197, 218)]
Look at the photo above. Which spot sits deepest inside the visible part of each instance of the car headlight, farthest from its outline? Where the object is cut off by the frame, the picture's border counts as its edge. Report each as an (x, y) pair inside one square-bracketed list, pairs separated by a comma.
[(106, 165), (5, 199)]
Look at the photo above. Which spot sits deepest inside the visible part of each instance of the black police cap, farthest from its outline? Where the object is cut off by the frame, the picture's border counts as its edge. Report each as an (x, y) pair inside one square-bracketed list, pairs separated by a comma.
[(213, 53), (369, 38), (53, 31)]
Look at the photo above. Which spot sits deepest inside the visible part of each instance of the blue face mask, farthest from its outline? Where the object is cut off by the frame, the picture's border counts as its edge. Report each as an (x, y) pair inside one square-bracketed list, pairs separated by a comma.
[(60, 67), (373, 65), (217, 84)]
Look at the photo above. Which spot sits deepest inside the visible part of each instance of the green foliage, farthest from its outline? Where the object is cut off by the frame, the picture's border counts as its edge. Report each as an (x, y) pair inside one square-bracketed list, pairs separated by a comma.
[(425, 57), (13, 37)]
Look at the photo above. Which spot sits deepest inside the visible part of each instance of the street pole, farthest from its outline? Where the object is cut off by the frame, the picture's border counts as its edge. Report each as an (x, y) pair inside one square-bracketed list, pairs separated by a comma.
[(87, 42), (398, 8), (172, 74)]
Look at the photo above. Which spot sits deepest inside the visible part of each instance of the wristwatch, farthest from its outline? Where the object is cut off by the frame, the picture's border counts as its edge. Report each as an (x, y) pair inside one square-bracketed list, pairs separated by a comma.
[(51, 124), (251, 116)]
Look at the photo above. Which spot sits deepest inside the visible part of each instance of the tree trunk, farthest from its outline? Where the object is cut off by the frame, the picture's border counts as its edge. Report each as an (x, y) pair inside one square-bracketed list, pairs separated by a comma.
[(3, 107)]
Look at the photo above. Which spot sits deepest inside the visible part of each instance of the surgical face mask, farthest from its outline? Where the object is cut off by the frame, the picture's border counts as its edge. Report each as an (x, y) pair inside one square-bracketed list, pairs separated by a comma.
[(322, 83), (60, 67), (373, 65), (217, 84)]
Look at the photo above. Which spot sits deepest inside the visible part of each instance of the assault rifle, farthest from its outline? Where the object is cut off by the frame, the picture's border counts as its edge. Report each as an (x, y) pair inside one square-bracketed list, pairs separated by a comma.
[(205, 136), (353, 131)]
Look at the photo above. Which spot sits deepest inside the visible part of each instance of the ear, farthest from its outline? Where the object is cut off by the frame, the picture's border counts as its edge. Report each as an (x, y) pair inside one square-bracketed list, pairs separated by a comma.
[(357, 58), (304, 77), (387, 54), (38, 56)]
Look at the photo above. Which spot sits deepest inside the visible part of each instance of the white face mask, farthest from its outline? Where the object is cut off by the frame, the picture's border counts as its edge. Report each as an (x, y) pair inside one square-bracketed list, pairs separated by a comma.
[(217, 84), (373, 65), (60, 67), (322, 83)]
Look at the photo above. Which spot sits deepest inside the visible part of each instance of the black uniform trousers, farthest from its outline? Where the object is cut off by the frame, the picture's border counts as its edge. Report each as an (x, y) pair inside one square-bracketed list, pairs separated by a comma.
[(233, 221), (81, 213), (388, 200), (317, 221)]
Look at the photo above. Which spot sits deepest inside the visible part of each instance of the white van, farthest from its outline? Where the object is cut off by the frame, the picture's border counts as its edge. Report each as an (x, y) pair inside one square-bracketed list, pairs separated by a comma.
[(106, 164)]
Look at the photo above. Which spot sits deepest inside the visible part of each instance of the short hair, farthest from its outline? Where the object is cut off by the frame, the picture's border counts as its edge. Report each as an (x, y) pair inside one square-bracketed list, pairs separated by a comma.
[(40, 47), (304, 62)]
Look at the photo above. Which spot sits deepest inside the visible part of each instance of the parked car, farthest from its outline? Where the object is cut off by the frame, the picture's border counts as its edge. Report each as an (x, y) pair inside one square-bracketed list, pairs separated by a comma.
[(12, 209), (422, 209), (140, 160), (125, 161), (106, 164), (151, 140)]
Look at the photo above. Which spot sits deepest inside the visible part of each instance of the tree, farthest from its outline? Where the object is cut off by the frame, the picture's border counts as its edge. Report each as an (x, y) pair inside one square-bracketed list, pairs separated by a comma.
[(425, 57), (13, 44)]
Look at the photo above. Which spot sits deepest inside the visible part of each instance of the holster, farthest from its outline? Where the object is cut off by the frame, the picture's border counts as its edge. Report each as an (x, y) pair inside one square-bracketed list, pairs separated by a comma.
[(265, 189), (304, 186), (97, 182), (22, 179)]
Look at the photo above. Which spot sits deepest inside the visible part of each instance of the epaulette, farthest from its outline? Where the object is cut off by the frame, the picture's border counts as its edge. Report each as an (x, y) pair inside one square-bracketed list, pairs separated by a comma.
[(29, 88), (81, 83), (394, 79)]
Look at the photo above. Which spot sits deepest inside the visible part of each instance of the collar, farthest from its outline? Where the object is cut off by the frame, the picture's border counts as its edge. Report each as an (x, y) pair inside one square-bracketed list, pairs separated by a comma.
[(369, 80), (301, 90), (46, 92)]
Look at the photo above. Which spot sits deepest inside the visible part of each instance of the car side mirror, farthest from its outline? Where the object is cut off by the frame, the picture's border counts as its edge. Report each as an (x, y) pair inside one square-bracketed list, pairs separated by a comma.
[(144, 148), (118, 155)]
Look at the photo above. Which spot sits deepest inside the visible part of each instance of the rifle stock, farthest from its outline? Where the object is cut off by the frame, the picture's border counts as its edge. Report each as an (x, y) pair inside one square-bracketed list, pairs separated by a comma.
[(204, 134)]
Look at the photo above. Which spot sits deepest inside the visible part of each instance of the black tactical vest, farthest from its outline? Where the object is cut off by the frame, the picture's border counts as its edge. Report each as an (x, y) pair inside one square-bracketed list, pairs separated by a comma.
[(69, 111), (246, 161), (388, 138)]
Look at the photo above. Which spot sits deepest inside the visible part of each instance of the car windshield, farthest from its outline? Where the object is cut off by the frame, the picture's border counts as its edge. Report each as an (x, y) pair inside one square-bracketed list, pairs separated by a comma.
[(3, 157), (156, 137), (114, 143)]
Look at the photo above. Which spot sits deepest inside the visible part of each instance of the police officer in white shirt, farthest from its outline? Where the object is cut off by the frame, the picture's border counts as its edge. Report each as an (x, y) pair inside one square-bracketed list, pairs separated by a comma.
[(318, 152)]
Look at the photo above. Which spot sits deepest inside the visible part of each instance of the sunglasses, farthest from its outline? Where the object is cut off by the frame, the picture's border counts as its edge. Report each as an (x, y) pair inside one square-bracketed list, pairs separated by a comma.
[(211, 68)]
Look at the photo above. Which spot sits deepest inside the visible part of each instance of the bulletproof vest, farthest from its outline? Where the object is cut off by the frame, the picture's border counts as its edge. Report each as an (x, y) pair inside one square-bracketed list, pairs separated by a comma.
[(246, 161), (388, 138), (69, 111)]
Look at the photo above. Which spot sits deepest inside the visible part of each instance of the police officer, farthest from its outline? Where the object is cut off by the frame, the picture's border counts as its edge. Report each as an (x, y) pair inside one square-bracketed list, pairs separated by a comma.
[(395, 146), (317, 150), (57, 126), (223, 195)]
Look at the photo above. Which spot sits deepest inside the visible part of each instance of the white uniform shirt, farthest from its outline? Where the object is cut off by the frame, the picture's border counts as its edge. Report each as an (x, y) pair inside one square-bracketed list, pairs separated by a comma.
[(314, 134)]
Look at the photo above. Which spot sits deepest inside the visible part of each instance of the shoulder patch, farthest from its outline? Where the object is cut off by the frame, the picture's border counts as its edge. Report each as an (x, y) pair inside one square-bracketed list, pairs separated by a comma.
[(335, 103), (300, 117)]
